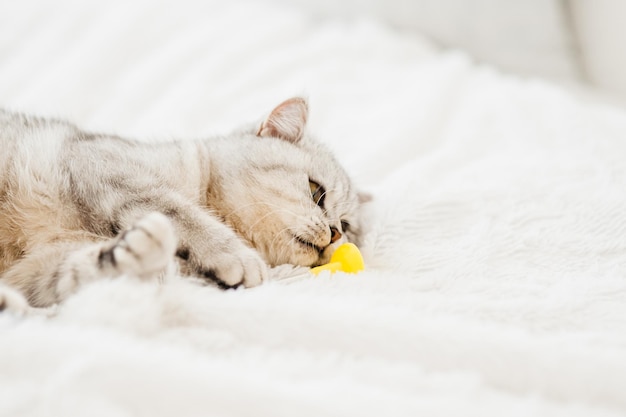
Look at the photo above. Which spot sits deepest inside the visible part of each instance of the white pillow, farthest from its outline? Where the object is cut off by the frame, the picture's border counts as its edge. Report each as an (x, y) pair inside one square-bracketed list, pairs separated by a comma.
[(530, 37), (602, 36)]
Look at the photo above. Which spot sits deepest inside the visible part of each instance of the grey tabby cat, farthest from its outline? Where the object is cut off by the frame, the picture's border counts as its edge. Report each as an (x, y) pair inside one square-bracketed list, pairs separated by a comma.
[(77, 206)]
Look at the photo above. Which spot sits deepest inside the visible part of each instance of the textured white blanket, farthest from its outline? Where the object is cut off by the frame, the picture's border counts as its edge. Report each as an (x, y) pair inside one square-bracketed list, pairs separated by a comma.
[(496, 280)]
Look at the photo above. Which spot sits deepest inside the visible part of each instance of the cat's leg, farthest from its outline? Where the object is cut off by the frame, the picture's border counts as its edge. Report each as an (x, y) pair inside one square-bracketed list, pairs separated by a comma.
[(212, 251), (51, 272), (207, 248), (144, 250)]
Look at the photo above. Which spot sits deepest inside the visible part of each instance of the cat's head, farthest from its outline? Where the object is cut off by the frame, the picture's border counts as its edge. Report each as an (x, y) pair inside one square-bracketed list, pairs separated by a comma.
[(285, 193)]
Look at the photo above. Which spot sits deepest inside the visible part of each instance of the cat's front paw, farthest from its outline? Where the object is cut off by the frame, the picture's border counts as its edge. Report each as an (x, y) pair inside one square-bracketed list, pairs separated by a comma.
[(145, 249), (231, 269)]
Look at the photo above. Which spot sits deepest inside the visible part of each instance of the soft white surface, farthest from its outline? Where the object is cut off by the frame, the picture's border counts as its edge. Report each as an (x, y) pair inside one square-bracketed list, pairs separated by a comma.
[(496, 281)]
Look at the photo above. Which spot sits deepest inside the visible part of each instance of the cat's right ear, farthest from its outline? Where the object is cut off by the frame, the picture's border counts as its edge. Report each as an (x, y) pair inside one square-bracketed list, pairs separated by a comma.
[(286, 121)]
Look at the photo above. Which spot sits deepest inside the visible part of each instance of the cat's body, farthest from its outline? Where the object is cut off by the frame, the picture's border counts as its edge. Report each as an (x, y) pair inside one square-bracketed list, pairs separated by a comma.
[(76, 206)]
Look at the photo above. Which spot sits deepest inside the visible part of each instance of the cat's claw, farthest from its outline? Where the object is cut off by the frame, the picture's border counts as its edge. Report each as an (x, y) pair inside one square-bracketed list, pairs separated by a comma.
[(242, 267)]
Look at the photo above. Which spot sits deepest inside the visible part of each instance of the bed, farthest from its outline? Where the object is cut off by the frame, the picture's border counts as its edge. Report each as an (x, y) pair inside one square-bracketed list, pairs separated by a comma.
[(495, 246)]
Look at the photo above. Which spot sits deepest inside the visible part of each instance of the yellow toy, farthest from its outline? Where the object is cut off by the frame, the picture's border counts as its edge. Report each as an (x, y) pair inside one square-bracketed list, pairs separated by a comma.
[(346, 258)]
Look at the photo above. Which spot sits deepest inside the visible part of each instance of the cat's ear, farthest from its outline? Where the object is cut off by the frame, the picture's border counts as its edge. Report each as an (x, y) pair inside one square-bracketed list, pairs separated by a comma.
[(286, 121), (364, 197)]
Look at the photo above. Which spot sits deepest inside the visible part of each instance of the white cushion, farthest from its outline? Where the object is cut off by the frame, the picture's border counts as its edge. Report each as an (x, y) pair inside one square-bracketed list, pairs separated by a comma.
[(530, 37)]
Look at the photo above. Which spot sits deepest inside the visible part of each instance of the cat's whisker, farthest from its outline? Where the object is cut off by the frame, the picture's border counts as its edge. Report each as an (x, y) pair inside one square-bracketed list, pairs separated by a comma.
[(283, 230), (284, 248), (258, 221), (338, 209)]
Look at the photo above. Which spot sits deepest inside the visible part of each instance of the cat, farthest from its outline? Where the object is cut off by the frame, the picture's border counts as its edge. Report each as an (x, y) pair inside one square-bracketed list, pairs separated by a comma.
[(77, 206)]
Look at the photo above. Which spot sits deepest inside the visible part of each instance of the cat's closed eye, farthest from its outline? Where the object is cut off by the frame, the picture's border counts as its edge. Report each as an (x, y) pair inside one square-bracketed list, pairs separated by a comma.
[(318, 193), (344, 226)]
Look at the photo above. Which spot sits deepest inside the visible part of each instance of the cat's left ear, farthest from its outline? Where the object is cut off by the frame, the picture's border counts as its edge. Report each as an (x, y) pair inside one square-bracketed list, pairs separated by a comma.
[(364, 197), (286, 121)]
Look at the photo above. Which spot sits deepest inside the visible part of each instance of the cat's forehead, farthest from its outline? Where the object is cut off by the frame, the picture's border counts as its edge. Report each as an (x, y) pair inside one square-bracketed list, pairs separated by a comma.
[(309, 155), (309, 158), (324, 163)]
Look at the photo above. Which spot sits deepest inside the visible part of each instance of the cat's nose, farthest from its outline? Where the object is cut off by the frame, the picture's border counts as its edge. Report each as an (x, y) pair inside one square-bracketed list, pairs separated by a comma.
[(335, 234)]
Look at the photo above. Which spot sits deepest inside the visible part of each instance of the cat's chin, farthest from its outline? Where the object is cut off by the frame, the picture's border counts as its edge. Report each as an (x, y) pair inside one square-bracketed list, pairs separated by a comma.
[(320, 258), (302, 255), (309, 245), (316, 256)]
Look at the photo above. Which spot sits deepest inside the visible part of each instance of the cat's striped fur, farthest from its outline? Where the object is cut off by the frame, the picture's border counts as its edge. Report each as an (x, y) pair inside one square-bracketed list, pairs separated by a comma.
[(77, 206)]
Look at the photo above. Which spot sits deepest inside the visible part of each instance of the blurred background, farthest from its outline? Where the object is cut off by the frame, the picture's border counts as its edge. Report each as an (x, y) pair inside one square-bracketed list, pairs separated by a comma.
[(571, 41)]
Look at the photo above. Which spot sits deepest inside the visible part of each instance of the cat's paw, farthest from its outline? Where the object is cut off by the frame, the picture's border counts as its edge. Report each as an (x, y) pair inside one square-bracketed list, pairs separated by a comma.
[(234, 268), (145, 249), (12, 301)]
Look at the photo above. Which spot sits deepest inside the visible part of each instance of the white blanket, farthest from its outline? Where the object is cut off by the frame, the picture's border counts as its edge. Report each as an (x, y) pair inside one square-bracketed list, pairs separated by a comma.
[(496, 252)]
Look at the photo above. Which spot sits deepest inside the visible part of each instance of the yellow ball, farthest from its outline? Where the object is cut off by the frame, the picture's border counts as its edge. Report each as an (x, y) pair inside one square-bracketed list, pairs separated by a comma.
[(346, 258)]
